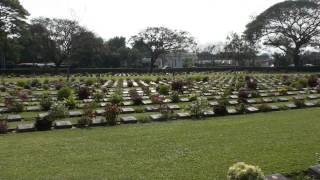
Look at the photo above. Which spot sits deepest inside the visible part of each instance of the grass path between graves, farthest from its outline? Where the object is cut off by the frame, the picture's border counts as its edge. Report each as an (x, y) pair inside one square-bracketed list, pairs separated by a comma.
[(284, 142)]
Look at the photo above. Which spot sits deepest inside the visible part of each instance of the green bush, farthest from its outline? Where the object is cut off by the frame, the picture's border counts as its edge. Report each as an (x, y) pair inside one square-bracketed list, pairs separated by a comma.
[(221, 108), (64, 93), (112, 113), (198, 107), (139, 110), (242, 171), (3, 127), (175, 97), (16, 107), (144, 120), (70, 102), (164, 89), (265, 108), (45, 102), (116, 98), (58, 110)]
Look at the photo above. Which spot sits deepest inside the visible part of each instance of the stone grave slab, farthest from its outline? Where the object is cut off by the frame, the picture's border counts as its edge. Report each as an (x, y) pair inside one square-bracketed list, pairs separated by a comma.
[(298, 97), (100, 111), (127, 110), (99, 121), (174, 107), (291, 106), (184, 99), (313, 97), (43, 115), (14, 118), (275, 108), (128, 120), (232, 111), (4, 110), (33, 108), (213, 103), (252, 109), (152, 108), (267, 100), (88, 100), (183, 115), (75, 113), (156, 117), (310, 104), (233, 102), (282, 99), (208, 113), (103, 104), (315, 170), (167, 101), (234, 97), (146, 102), (276, 177), (251, 101), (62, 125), (21, 128)]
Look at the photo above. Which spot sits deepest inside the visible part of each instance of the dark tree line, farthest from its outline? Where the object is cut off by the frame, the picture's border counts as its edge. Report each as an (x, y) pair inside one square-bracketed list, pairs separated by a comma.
[(291, 26)]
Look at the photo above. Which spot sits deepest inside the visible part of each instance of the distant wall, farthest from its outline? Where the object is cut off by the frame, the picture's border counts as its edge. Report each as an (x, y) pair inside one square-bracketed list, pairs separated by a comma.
[(29, 71)]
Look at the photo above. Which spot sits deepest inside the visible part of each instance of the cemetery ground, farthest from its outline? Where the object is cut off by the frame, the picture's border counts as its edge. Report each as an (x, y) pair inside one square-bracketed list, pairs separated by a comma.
[(284, 141), (157, 126)]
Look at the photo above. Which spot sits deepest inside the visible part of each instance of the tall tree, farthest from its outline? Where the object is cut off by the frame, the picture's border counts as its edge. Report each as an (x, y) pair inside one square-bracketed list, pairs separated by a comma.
[(61, 33), (160, 41), (290, 26), (12, 22), (87, 50), (37, 45), (240, 50)]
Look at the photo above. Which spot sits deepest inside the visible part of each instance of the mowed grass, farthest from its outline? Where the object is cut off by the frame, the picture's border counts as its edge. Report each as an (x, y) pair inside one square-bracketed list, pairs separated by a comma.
[(278, 142)]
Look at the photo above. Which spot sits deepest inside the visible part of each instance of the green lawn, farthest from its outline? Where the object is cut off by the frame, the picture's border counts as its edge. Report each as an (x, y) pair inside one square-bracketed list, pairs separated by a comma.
[(278, 142)]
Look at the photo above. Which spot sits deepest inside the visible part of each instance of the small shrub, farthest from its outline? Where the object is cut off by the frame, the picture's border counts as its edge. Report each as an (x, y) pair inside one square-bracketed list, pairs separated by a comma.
[(44, 124), (116, 98), (70, 102), (242, 171), (83, 93), (139, 110), (241, 108), (144, 120), (98, 96), (16, 107), (283, 91), (313, 81), (21, 83), (35, 83), (299, 102), (45, 102), (205, 79), (136, 98), (3, 127), (164, 89), (175, 97), (252, 84), (112, 113), (265, 108), (64, 93), (243, 95), (221, 108), (198, 107), (58, 110), (177, 86), (156, 99)]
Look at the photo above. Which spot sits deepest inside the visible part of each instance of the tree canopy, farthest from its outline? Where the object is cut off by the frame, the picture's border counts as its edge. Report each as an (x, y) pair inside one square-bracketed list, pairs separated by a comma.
[(290, 26), (161, 40)]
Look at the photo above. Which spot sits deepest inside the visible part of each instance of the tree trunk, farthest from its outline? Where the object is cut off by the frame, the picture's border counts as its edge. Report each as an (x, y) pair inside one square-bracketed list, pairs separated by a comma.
[(296, 58)]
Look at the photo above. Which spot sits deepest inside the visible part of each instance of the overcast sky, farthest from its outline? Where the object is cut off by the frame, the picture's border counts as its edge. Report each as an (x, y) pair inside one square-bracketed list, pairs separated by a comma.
[(207, 20)]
